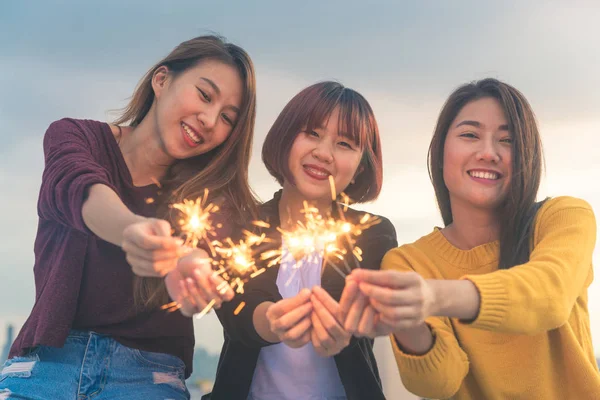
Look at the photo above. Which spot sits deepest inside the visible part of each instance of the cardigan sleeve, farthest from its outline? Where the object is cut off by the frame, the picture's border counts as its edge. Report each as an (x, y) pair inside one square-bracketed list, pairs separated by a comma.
[(70, 169)]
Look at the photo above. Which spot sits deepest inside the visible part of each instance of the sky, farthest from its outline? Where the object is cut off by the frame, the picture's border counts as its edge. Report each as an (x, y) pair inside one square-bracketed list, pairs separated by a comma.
[(83, 59)]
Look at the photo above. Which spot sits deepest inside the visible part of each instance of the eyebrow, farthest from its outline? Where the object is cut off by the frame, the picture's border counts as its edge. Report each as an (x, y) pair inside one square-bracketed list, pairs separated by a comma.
[(477, 124), (218, 91)]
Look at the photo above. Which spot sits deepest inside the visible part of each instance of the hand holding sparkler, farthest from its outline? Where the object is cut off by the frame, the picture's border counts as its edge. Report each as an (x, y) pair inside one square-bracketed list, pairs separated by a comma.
[(400, 300), (149, 247), (289, 319), (359, 317), (328, 335), (195, 286)]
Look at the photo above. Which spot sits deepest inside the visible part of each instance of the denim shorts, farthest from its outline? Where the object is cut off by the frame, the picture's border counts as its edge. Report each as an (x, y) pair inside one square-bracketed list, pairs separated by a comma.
[(93, 366)]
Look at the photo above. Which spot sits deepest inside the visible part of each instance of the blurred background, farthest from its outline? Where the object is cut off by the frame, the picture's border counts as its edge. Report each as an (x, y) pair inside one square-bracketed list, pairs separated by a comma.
[(83, 59)]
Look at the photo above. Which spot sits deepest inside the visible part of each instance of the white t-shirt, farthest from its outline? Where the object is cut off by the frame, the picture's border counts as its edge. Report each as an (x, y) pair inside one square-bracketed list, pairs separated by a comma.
[(284, 373)]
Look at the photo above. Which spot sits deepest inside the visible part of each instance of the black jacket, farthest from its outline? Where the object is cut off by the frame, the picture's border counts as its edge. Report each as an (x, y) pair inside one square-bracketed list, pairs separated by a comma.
[(356, 363)]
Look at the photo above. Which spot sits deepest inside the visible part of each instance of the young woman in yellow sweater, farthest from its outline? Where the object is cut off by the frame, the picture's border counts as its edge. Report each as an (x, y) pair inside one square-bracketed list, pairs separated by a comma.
[(493, 305)]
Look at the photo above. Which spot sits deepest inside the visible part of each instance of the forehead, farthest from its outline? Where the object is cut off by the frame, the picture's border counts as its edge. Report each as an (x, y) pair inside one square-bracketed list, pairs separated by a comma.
[(487, 111), (224, 76), (344, 120)]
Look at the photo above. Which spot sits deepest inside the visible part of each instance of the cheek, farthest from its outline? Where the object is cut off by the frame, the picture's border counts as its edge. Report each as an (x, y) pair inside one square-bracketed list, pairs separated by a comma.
[(223, 134), (299, 148), (450, 165), (347, 167)]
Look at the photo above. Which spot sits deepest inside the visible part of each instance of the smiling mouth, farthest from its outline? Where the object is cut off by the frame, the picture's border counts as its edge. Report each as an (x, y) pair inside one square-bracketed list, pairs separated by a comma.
[(489, 175), (316, 173), (192, 134)]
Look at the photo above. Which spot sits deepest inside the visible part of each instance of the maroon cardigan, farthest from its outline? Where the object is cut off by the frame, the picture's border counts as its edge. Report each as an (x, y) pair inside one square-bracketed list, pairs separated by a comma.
[(83, 282)]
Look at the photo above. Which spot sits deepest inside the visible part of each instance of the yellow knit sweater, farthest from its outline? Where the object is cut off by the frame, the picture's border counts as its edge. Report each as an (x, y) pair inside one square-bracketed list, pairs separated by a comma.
[(531, 339)]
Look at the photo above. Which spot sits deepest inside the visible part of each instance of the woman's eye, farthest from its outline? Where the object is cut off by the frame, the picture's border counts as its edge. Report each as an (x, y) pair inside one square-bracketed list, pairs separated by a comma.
[(346, 144), (227, 120), (204, 95)]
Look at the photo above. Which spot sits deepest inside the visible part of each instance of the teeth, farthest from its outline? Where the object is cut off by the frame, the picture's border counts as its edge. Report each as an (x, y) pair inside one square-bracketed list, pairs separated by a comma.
[(191, 134), (484, 175), (317, 172)]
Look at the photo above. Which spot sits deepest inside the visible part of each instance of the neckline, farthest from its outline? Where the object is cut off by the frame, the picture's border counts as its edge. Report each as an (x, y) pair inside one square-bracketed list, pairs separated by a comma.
[(123, 168), (474, 258)]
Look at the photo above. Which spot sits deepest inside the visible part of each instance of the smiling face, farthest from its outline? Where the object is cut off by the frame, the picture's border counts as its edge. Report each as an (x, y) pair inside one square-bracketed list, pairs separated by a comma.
[(319, 154), (197, 109), (477, 165)]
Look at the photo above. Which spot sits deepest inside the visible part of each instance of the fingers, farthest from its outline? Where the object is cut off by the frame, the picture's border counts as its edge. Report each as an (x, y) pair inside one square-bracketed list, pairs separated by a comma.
[(317, 333), (147, 268), (206, 288), (298, 335), (385, 295), (223, 288), (188, 305), (161, 227), (332, 306), (151, 235), (195, 295), (152, 256), (316, 342), (280, 324), (366, 326), (348, 295), (325, 342), (284, 306), (388, 278), (333, 330), (398, 317), (356, 310)]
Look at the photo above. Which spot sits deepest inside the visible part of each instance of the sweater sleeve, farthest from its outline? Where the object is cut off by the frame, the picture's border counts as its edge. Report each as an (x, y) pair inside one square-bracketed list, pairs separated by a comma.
[(539, 295), (440, 372), (70, 169)]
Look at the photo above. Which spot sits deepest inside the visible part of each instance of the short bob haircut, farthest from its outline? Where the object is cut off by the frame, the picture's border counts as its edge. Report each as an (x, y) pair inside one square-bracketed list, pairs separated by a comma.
[(310, 109)]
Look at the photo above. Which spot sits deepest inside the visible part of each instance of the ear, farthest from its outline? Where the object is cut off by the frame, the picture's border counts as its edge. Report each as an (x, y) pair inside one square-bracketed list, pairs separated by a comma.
[(160, 80)]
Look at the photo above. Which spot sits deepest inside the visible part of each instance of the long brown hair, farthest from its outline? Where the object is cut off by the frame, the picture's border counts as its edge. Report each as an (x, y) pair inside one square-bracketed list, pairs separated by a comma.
[(309, 109), (519, 208), (223, 170)]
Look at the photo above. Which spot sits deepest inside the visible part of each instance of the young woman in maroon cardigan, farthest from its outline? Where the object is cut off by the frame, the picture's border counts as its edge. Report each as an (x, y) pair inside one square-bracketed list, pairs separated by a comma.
[(103, 217)]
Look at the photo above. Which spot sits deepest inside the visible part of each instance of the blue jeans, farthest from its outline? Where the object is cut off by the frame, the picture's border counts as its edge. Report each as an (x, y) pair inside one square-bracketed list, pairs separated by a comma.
[(93, 366)]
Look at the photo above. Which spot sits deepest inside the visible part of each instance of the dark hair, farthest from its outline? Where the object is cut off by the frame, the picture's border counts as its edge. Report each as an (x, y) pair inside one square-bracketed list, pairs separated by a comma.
[(519, 208), (310, 109), (223, 170)]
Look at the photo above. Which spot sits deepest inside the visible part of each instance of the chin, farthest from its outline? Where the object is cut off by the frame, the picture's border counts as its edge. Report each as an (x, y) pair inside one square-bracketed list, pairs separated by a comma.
[(312, 193), (486, 202)]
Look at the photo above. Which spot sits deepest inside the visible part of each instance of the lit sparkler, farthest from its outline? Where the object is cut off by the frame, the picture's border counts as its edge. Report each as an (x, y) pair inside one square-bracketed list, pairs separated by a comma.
[(317, 235), (196, 225)]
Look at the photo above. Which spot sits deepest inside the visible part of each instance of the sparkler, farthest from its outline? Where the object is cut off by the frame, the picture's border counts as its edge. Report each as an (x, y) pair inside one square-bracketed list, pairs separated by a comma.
[(320, 235), (196, 225), (236, 262)]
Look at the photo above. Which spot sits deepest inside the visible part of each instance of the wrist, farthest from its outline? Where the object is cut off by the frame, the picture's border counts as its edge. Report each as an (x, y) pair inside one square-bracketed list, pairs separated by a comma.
[(416, 341), (440, 298), (455, 298)]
